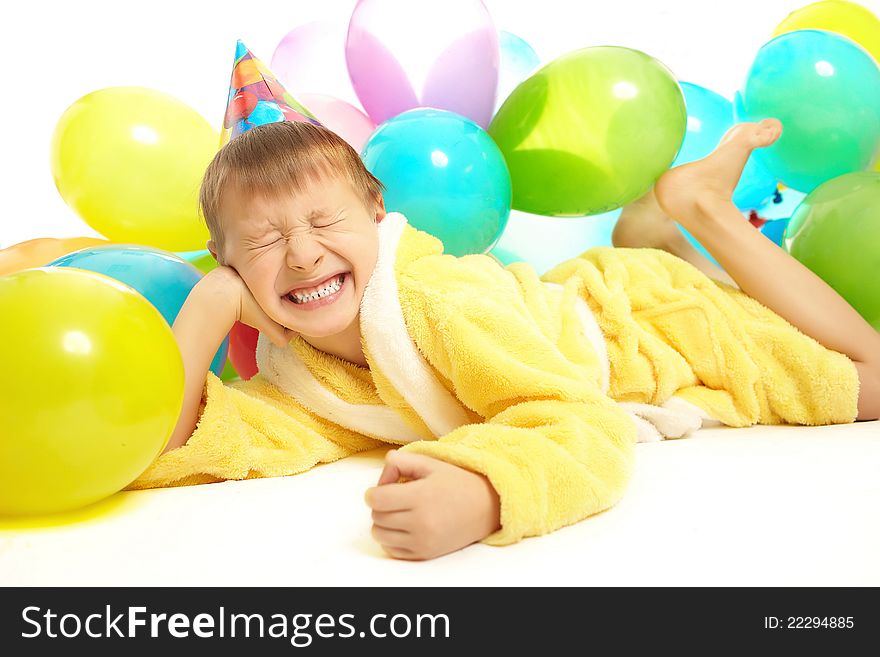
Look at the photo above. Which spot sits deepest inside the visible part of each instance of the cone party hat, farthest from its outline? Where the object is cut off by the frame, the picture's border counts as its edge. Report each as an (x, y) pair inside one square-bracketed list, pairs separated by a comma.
[(257, 97)]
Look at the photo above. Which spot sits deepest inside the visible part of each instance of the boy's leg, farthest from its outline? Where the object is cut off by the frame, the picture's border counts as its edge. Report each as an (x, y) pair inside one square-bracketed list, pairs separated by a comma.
[(643, 223), (698, 196)]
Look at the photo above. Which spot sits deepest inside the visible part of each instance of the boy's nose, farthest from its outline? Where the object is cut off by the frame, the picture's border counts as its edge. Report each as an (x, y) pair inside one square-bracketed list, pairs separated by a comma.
[(304, 255)]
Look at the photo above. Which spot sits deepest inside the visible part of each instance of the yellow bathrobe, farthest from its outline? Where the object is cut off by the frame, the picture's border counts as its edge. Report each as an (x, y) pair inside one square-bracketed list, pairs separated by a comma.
[(544, 385)]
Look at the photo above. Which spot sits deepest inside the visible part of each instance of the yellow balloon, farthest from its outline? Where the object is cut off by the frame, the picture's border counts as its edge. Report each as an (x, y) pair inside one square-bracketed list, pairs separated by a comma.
[(91, 390), (847, 18), (129, 161)]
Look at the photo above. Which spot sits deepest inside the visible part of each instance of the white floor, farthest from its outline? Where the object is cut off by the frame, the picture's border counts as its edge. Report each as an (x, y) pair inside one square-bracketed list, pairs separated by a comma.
[(763, 506)]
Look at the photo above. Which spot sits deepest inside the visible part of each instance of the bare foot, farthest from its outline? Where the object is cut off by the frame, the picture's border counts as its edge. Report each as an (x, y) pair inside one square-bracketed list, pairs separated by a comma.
[(686, 192)]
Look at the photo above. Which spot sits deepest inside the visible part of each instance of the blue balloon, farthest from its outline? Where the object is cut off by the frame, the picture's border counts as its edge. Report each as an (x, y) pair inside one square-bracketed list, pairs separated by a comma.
[(445, 173), (774, 230), (163, 278), (709, 116), (782, 205), (518, 61)]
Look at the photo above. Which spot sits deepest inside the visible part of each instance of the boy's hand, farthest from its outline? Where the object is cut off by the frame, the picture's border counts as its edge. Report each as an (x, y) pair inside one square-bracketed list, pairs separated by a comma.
[(245, 307), (441, 507)]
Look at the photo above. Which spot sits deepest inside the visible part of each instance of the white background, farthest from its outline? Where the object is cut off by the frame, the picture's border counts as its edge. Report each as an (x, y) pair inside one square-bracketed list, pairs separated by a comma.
[(56, 52)]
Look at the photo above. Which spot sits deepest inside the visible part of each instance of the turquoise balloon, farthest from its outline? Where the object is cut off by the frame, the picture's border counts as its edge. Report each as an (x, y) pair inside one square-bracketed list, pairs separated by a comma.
[(505, 257), (163, 278), (709, 117), (774, 230), (826, 91), (782, 205), (445, 174), (189, 256), (518, 61)]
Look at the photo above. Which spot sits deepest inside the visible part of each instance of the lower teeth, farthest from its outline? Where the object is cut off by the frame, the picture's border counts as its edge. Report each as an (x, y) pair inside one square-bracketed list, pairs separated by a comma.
[(331, 292)]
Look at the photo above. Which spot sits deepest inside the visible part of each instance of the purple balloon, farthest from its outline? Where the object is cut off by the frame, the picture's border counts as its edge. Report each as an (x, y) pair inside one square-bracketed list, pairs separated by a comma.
[(310, 59), (403, 54), (342, 118)]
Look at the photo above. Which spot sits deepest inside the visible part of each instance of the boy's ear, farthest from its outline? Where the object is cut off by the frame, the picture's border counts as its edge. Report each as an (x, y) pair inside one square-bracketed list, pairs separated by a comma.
[(380, 208), (213, 249)]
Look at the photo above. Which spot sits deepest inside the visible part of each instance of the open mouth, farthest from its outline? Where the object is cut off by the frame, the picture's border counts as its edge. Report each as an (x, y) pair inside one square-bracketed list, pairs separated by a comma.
[(326, 293)]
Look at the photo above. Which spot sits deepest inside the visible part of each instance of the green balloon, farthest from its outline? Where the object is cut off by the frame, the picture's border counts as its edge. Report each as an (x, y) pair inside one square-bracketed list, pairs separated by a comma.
[(590, 132), (204, 262), (229, 373), (835, 233)]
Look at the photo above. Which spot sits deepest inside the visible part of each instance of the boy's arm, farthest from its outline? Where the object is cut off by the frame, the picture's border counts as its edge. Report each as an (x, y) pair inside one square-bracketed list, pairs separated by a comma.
[(246, 429), (203, 322), (555, 448), (213, 306)]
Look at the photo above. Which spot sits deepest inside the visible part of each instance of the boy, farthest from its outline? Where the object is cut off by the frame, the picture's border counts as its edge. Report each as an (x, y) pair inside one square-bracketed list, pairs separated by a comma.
[(517, 400)]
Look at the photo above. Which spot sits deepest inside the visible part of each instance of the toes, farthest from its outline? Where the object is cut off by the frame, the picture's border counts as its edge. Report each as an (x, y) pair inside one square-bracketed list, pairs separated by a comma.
[(753, 135), (768, 131)]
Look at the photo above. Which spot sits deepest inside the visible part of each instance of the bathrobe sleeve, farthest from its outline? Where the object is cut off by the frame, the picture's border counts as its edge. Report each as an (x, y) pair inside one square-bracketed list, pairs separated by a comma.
[(251, 429), (553, 445)]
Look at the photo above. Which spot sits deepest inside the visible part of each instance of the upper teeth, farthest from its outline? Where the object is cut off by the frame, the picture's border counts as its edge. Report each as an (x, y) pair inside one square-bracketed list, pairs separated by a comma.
[(330, 288)]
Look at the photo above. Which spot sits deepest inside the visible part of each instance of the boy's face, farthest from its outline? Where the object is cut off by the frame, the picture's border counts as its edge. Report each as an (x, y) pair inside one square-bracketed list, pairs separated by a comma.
[(306, 258)]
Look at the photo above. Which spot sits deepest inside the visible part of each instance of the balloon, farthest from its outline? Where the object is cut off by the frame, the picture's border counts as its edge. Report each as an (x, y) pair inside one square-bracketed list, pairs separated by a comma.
[(590, 131), (163, 278), (518, 61), (445, 174), (774, 230), (310, 59), (505, 257), (243, 349), (835, 232), (402, 55), (228, 373), (544, 242), (847, 18), (709, 117), (783, 205), (203, 261), (37, 252), (92, 390), (346, 121), (826, 91), (130, 161)]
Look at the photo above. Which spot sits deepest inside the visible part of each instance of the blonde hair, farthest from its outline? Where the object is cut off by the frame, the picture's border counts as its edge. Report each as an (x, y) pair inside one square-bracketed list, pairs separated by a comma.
[(279, 159)]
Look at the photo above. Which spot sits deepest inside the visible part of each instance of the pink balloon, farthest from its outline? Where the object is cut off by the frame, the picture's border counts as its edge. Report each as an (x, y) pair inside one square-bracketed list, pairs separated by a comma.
[(310, 59), (403, 54), (346, 121)]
